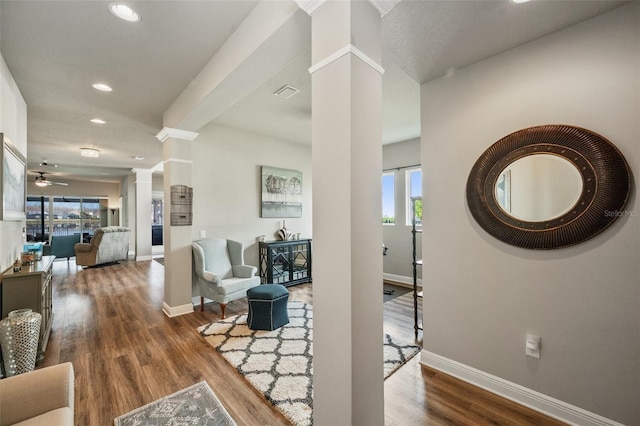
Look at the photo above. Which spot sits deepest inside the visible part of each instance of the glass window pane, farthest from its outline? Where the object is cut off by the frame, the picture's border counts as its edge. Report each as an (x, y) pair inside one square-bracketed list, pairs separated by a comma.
[(414, 189), (388, 199), (36, 230)]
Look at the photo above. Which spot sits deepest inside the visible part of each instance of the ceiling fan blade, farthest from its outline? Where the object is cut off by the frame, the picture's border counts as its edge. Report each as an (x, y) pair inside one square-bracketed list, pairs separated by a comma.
[(58, 183)]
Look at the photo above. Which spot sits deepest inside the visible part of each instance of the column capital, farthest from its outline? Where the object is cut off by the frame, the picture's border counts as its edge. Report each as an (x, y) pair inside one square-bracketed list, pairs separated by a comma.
[(382, 6), (170, 132)]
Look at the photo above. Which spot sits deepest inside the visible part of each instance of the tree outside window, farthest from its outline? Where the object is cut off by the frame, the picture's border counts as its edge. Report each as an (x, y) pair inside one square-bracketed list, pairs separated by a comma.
[(413, 178), (388, 198)]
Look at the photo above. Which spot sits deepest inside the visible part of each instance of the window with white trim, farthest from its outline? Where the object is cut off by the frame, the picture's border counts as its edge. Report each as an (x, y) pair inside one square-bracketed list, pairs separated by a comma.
[(388, 198), (413, 181)]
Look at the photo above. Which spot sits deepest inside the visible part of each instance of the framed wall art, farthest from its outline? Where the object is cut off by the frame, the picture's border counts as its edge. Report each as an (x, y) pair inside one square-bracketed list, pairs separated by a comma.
[(13, 188), (281, 192)]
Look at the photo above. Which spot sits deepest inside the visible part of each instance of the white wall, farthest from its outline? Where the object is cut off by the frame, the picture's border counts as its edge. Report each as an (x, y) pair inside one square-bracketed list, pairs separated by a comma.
[(226, 185), (482, 296), (13, 123), (397, 158)]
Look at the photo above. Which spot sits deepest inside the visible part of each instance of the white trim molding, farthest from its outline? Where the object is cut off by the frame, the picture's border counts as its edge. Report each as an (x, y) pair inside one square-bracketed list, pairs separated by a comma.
[(309, 5), (177, 160), (382, 6), (176, 310), (350, 48), (170, 132), (401, 279), (145, 257), (529, 398)]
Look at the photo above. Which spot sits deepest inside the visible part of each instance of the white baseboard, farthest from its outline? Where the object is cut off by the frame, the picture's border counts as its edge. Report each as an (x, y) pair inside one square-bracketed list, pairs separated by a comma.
[(148, 257), (524, 396), (401, 279), (174, 311)]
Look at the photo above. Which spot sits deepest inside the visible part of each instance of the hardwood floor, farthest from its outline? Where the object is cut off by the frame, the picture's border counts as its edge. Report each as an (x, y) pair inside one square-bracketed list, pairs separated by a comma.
[(126, 353)]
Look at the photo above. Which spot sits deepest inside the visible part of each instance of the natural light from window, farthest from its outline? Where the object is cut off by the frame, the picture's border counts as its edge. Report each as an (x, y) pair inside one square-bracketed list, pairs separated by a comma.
[(413, 179), (388, 198)]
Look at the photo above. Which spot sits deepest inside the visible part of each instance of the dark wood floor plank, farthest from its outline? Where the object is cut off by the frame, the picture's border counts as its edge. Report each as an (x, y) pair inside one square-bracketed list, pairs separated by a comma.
[(126, 353)]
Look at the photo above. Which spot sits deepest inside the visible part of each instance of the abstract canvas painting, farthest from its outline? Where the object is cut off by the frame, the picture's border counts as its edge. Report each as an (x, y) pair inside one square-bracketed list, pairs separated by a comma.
[(281, 192)]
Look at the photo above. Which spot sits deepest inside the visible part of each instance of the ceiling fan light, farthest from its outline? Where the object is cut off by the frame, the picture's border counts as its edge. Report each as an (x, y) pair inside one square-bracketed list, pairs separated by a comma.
[(89, 152), (41, 182)]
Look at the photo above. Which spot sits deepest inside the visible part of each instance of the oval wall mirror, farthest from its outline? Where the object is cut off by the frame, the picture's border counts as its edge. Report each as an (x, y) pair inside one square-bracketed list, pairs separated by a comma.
[(538, 187), (548, 187)]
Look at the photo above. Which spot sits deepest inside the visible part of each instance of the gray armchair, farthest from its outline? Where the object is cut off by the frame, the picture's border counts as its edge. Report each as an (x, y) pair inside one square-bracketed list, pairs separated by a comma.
[(219, 271)]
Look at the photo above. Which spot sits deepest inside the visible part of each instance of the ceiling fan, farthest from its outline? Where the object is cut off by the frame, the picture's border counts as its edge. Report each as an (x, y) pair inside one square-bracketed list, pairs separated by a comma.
[(43, 181)]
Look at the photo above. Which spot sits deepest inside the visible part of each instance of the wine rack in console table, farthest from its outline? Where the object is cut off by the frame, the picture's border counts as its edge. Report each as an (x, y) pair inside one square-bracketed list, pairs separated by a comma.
[(31, 289), (285, 262)]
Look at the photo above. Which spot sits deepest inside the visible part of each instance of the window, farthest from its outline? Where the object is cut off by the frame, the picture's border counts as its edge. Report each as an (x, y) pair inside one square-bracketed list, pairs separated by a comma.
[(388, 198), (68, 216), (413, 179)]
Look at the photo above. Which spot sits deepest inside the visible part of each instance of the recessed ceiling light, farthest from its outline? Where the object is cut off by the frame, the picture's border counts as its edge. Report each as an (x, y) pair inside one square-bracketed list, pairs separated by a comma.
[(519, 1), (97, 121), (102, 87), (137, 157), (89, 152), (124, 12)]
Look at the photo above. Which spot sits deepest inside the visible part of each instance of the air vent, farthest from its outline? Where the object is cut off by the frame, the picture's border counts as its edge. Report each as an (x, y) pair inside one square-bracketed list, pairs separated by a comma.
[(286, 92)]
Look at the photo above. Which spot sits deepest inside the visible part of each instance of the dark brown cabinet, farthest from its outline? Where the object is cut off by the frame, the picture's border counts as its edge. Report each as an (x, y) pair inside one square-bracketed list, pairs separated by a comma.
[(285, 262)]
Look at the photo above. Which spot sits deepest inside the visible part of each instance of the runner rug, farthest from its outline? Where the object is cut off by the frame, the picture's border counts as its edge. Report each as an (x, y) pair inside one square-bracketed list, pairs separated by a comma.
[(279, 363), (195, 405)]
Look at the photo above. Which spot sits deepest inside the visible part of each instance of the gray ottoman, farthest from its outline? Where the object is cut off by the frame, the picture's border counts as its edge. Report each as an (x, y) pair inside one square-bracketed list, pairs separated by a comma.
[(267, 307)]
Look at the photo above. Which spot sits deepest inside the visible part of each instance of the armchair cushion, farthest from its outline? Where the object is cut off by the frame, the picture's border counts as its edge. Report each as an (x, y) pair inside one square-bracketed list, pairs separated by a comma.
[(63, 245), (108, 244), (219, 272), (50, 390)]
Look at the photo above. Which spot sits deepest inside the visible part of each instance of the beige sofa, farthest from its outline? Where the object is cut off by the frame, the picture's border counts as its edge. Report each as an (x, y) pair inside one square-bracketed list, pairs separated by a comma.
[(40, 397), (108, 244)]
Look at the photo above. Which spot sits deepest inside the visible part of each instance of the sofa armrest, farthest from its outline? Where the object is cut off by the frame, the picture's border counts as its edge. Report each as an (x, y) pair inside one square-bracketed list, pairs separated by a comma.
[(82, 247), (212, 277), (31, 394), (244, 271)]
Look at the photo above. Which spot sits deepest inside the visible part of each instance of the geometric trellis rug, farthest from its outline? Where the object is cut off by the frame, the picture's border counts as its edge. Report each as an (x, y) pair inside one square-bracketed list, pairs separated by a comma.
[(195, 405), (279, 364)]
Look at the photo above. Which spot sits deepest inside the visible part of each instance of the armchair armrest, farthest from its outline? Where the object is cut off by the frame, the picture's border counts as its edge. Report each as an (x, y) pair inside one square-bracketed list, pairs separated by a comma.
[(82, 247), (212, 277), (51, 387), (244, 271)]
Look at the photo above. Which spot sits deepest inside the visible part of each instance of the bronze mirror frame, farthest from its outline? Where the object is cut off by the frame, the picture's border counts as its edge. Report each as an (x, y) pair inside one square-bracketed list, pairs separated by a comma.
[(606, 186)]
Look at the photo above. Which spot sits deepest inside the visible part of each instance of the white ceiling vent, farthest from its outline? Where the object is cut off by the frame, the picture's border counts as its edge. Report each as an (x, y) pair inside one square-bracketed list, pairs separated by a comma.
[(286, 92)]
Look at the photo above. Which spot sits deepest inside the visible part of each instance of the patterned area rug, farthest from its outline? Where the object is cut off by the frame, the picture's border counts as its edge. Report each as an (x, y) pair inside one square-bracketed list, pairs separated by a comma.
[(195, 405), (279, 363)]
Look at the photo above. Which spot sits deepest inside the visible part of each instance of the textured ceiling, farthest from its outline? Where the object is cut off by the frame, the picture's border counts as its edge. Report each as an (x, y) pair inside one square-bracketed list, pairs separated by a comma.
[(56, 49)]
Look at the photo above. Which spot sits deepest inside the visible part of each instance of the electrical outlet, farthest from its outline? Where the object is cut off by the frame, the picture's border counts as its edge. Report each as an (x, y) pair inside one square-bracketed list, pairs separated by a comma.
[(203, 233), (532, 346)]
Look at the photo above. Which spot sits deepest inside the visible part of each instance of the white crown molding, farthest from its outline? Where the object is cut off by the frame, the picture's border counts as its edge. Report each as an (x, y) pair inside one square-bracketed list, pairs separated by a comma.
[(382, 6), (177, 160), (309, 5), (528, 397), (169, 132), (350, 48)]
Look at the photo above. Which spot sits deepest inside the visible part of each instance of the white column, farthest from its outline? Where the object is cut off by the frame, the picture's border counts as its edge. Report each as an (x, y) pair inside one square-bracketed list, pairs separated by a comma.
[(177, 239), (143, 214), (347, 163)]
